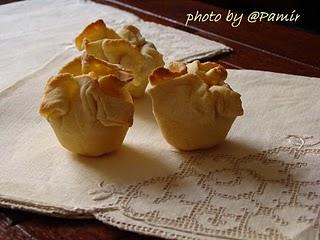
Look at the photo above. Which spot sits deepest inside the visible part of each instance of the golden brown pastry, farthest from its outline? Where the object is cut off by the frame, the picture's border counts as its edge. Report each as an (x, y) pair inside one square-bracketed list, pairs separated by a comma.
[(193, 106), (88, 106), (126, 47), (95, 31)]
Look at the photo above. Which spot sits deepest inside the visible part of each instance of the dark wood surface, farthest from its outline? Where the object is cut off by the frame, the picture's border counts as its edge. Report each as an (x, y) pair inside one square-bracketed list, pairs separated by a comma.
[(262, 46)]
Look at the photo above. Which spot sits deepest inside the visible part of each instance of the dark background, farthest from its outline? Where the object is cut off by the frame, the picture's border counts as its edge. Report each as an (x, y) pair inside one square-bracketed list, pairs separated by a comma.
[(308, 10)]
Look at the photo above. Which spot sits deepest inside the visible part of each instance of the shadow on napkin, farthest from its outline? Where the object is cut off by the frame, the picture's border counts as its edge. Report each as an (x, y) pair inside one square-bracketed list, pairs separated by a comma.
[(130, 165), (239, 158), (126, 165)]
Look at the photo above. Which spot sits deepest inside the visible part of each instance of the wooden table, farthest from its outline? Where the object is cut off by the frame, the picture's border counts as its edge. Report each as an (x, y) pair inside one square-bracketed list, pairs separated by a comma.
[(262, 46)]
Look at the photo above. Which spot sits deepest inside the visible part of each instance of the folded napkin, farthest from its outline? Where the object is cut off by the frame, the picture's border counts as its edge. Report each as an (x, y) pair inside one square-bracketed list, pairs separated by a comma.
[(33, 33), (261, 183)]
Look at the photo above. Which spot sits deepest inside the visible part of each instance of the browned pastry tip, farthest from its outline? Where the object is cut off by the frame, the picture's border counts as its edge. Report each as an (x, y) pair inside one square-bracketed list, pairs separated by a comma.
[(132, 29), (162, 74), (103, 68), (95, 68), (93, 32), (215, 71), (178, 67)]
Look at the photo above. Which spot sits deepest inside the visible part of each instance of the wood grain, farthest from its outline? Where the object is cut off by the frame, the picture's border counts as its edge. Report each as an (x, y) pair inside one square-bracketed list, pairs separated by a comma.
[(18, 225)]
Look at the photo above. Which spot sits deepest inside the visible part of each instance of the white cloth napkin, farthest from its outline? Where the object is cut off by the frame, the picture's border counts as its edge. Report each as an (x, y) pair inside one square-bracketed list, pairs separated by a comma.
[(33, 33), (262, 183)]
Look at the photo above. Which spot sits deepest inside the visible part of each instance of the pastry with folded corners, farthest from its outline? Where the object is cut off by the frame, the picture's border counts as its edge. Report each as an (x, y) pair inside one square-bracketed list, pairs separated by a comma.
[(192, 104), (126, 47), (88, 106)]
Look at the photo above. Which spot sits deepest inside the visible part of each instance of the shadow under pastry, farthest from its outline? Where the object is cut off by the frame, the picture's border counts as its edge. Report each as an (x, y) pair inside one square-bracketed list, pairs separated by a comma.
[(127, 165)]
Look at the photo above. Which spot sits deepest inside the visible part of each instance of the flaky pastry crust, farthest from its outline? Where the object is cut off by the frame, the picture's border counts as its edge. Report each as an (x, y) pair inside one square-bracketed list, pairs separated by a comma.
[(126, 47), (88, 106), (95, 31), (192, 104)]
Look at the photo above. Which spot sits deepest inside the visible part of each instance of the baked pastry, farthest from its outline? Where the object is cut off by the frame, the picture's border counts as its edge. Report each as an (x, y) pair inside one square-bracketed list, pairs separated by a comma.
[(192, 104), (126, 47), (88, 106)]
